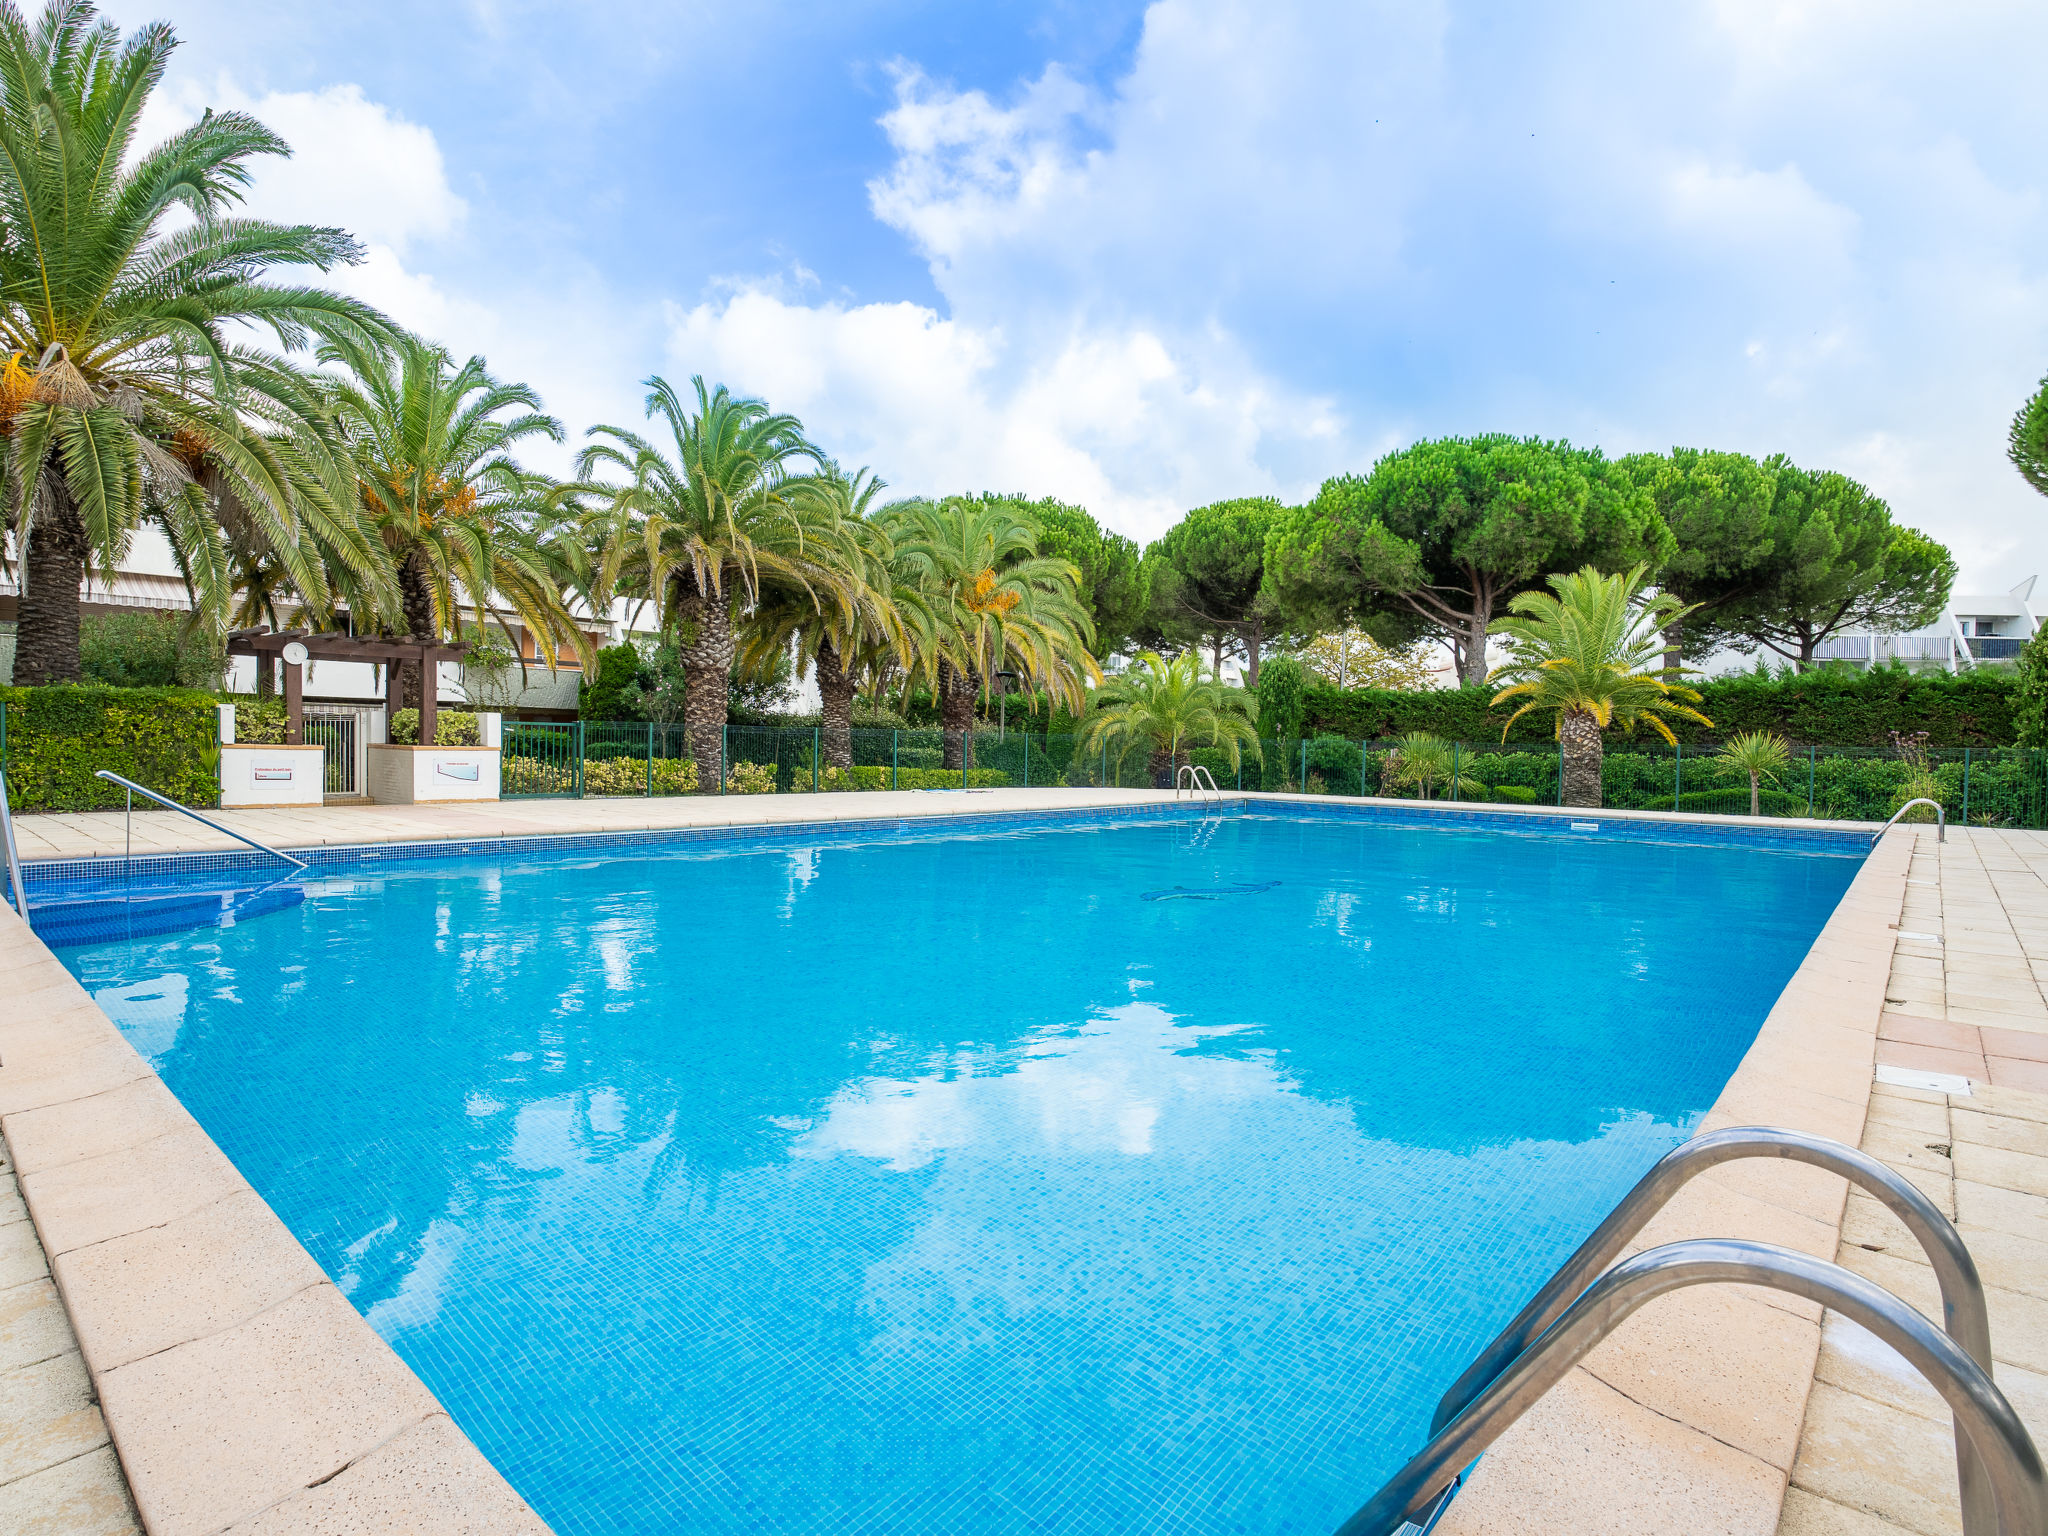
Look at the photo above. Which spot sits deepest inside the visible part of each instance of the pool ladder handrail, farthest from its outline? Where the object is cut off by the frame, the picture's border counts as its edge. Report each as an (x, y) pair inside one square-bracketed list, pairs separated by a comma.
[(1414, 1497), (1962, 1291), (1200, 781), (1940, 820), (13, 855), (128, 825)]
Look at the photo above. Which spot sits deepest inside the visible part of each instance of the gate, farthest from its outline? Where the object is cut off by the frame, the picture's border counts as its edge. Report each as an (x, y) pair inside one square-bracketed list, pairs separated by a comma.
[(343, 731), (542, 760)]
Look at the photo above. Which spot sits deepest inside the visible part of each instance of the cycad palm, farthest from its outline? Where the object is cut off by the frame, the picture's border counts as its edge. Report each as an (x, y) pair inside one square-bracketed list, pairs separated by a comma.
[(432, 446), (125, 398), (1759, 754), (1167, 709), (732, 503), (1584, 651), (991, 602)]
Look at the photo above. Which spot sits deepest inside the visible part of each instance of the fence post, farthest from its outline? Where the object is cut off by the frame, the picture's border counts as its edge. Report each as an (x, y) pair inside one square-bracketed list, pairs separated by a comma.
[(1302, 783), (724, 746), (579, 759), (1361, 770), (650, 759), (1809, 783), (1965, 817), (817, 736), (1027, 759), (1560, 770), (1105, 764), (1677, 773), (1457, 757), (895, 750)]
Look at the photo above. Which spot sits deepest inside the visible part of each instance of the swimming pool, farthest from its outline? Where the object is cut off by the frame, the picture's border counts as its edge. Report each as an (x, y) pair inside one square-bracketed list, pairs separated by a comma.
[(1146, 1174)]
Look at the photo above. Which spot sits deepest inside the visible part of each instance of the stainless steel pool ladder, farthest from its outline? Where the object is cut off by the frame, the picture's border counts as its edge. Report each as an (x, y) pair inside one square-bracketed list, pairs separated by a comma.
[(1940, 819), (1199, 780), (128, 825), (12, 854), (2004, 1492)]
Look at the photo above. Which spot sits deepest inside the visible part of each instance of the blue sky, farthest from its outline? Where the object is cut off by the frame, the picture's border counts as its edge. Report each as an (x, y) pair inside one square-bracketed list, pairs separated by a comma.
[(1150, 256)]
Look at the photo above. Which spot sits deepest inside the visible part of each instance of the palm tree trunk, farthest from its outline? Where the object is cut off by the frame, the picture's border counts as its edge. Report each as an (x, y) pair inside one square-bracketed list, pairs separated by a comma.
[(1578, 733), (705, 647), (835, 693), (956, 716), (1755, 799), (416, 602), (1674, 644), (46, 637)]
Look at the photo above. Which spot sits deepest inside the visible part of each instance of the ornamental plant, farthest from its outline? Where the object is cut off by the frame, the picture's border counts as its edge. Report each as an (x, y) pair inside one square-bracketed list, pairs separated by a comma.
[(1760, 754)]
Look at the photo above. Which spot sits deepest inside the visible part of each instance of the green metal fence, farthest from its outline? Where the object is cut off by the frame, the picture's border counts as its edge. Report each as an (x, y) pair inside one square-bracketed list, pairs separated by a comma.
[(2000, 786)]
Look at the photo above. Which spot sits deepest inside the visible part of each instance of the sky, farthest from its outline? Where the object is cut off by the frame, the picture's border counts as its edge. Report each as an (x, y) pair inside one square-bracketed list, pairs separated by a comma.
[(1145, 257)]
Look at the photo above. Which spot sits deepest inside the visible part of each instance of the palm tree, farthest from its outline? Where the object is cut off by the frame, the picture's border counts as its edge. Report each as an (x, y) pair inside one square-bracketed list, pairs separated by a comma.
[(1583, 651), (1760, 754), (457, 517), (729, 507), (124, 285), (855, 632), (991, 603), (1168, 709), (1426, 761)]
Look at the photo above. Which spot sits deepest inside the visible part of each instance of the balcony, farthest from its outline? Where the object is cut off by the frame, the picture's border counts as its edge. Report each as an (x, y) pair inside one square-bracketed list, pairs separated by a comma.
[(1996, 647)]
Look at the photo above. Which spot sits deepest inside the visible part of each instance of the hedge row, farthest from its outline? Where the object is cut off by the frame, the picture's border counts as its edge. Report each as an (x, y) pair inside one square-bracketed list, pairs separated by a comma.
[(1836, 708), (167, 739)]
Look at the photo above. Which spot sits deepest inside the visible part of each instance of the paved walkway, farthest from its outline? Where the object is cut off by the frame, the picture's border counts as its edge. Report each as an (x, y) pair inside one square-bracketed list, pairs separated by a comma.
[(1876, 1455), (100, 834)]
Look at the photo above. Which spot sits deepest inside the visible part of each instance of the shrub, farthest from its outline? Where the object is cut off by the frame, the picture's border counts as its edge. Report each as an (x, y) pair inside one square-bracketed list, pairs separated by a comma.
[(260, 722), (1283, 698), (452, 728), (911, 778), (615, 692), (149, 648), (1514, 794), (750, 779), (629, 776), (532, 776), (164, 738)]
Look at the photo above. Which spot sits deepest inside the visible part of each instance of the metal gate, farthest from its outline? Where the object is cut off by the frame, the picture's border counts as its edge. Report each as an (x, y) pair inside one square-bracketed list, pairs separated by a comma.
[(542, 760), (344, 731)]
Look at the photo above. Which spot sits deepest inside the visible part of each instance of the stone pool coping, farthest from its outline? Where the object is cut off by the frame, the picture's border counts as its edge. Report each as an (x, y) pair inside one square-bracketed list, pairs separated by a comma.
[(243, 1393)]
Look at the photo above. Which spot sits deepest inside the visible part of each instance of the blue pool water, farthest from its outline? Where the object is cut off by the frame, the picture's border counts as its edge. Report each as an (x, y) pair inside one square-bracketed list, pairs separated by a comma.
[(1151, 1176)]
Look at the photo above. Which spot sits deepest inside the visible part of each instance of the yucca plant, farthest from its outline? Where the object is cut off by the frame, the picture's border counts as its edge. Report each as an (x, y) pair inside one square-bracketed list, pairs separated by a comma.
[(1425, 761), (1583, 651), (1166, 709), (1762, 755), (127, 288)]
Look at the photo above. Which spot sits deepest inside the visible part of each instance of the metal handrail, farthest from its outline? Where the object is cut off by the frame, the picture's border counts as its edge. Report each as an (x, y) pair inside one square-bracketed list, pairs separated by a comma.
[(135, 789), (1940, 820), (2000, 1441), (1962, 1292), (13, 854), (1195, 775)]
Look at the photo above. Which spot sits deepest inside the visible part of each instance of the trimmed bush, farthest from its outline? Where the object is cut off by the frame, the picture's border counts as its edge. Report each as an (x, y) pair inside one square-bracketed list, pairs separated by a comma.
[(911, 778), (149, 648), (1513, 794), (1732, 801), (1829, 708), (750, 779), (629, 776), (260, 722), (167, 739), (452, 728)]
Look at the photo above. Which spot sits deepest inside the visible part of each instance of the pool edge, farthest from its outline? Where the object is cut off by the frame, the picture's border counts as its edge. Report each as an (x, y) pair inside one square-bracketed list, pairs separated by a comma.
[(1689, 1417)]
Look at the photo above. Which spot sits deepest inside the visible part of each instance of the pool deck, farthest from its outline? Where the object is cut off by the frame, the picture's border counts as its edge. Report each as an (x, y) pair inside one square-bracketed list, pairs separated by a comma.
[(161, 1331)]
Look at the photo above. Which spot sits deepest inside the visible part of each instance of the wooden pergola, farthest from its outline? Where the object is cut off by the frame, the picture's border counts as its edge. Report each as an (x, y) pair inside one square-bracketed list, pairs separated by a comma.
[(266, 645)]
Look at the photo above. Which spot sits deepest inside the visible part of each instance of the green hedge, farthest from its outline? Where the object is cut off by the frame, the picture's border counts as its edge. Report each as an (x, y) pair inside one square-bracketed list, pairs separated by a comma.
[(910, 778), (167, 739), (452, 728), (1833, 707)]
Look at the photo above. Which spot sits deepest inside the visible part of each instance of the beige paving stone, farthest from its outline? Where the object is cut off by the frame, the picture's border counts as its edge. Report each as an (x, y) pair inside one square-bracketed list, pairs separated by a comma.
[(1868, 1456), (1619, 1470), (1808, 1514), (1917, 1150), (96, 1060), (1977, 1128), (11, 1208), (80, 1497), (2013, 1103), (121, 1117), (21, 1256), (2002, 1210), (1930, 1120), (47, 1415), (1720, 1360), (2004, 1169), (2008, 1261), (33, 1327), (2019, 1328), (195, 1275), (430, 1479), (94, 1198), (1857, 1360), (218, 1429)]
